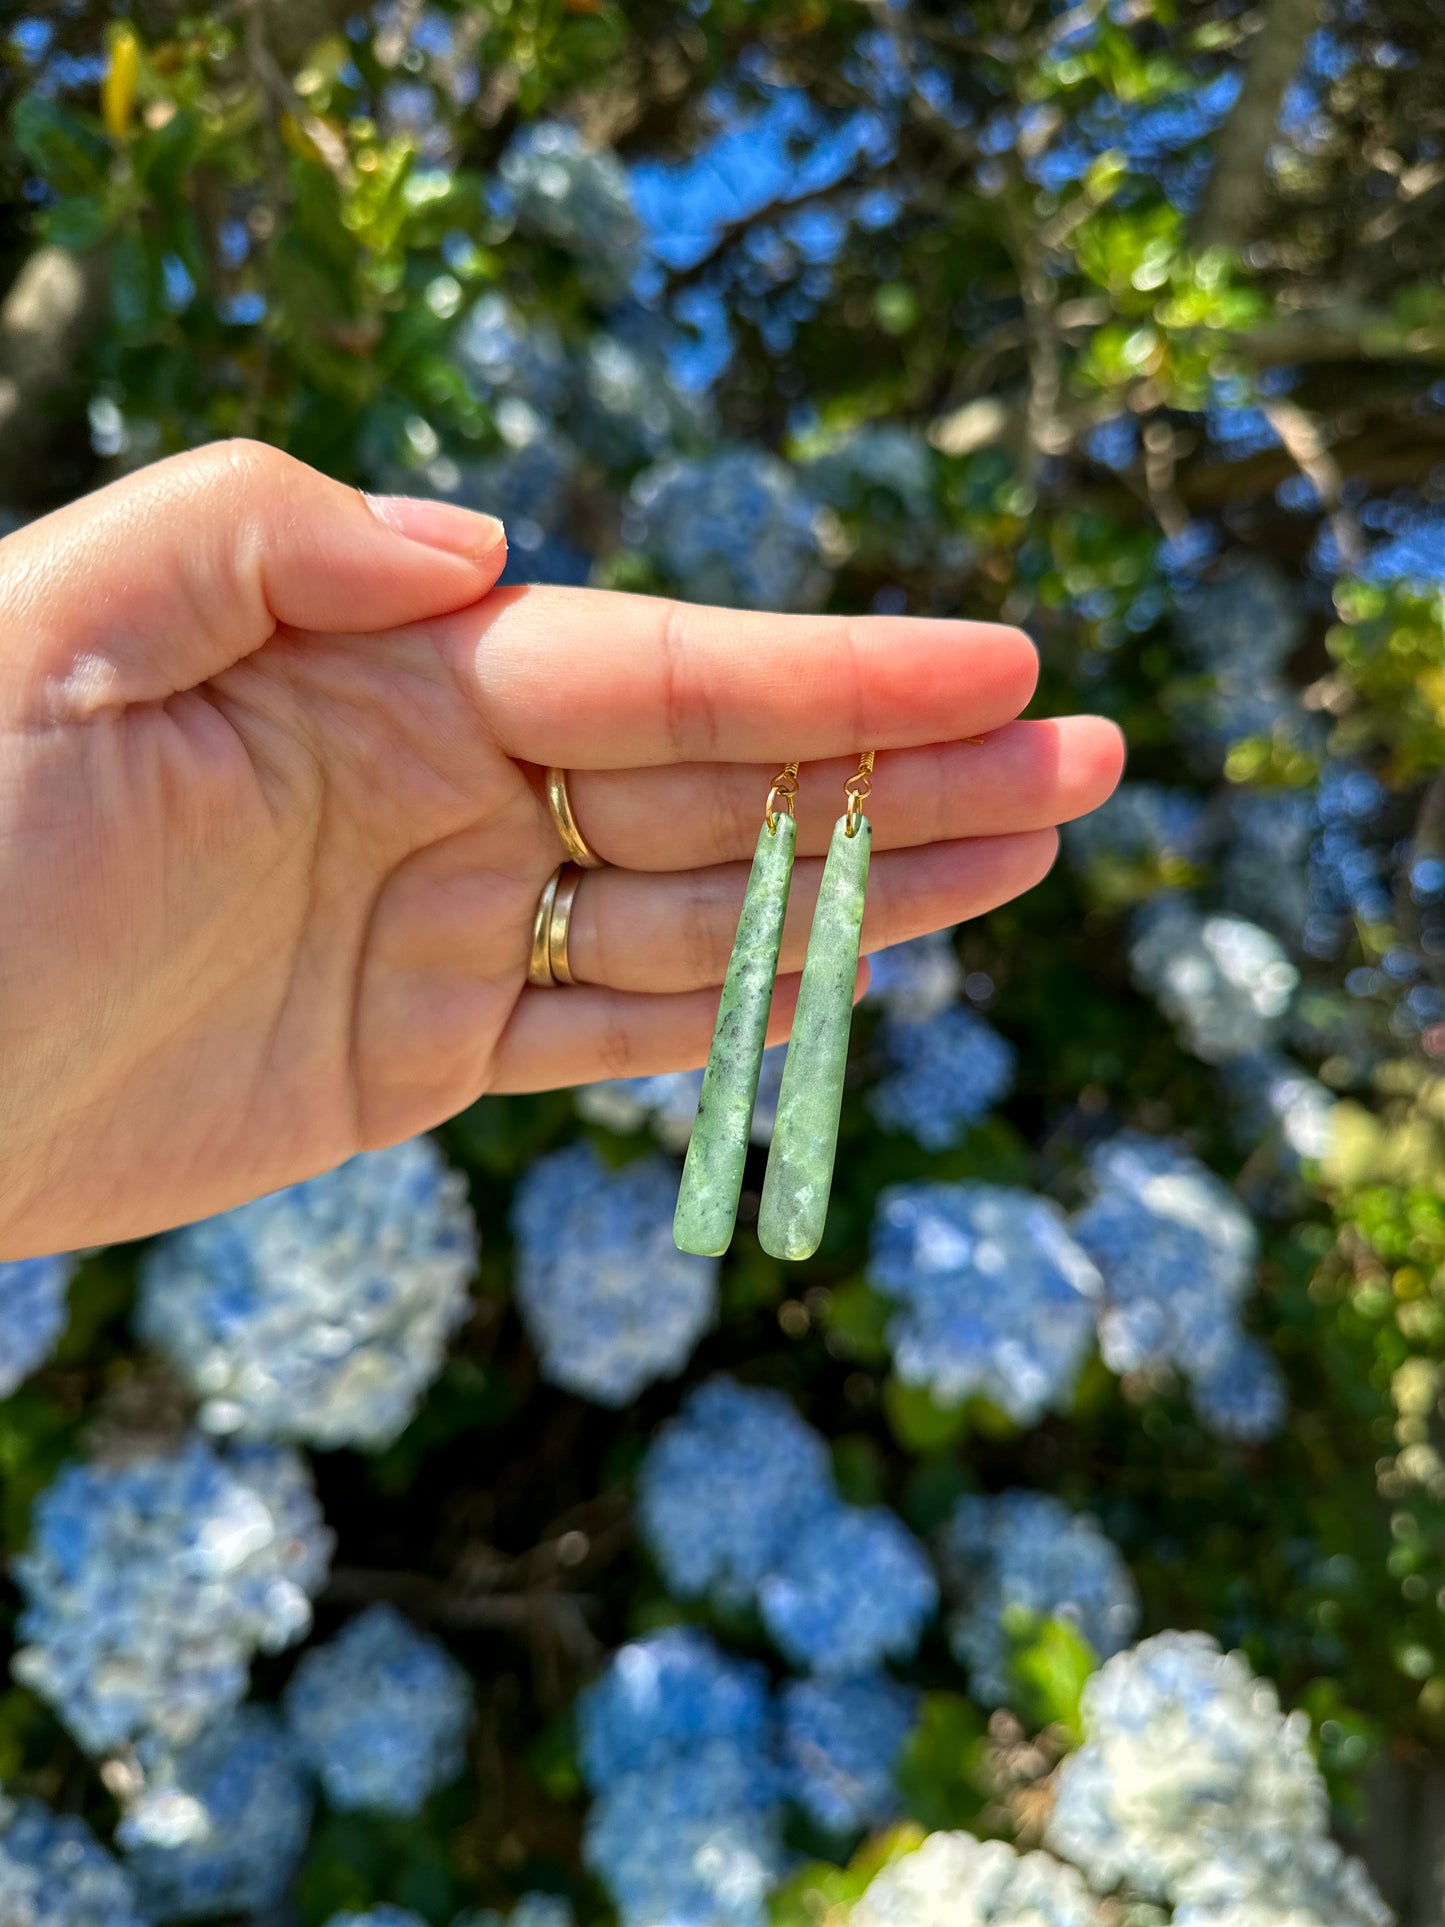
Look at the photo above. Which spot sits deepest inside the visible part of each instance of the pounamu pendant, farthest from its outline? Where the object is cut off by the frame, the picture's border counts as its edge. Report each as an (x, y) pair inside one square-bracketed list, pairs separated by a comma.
[(712, 1176), (805, 1138)]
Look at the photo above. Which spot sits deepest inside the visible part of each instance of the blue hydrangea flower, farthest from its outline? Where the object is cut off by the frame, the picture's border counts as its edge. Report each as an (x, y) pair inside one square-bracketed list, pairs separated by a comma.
[(1248, 617), (726, 1486), (1264, 871), (1349, 871), (383, 1916), (509, 358), (675, 1741), (878, 458), (853, 1588), (1223, 982), (558, 186), (994, 1295), (915, 980), (628, 408), (53, 1872), (1177, 1252), (1190, 1778), (949, 1071), (380, 1713), (840, 1742), (690, 1843), (954, 1880), (32, 1315), (666, 1102), (149, 1585), (1273, 1095), (223, 1825), (323, 1311), (1142, 827), (661, 1698), (732, 527), (607, 1298), (1024, 1553), (1240, 1395), (532, 1910)]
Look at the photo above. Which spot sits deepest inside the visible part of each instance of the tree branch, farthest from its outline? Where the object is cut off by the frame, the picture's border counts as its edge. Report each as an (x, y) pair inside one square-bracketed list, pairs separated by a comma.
[(1234, 197)]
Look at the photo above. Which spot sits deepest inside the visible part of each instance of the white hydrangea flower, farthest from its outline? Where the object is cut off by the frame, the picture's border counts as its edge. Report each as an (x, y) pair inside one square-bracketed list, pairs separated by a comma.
[(322, 1312), (954, 1880), (1194, 1787), (1225, 983)]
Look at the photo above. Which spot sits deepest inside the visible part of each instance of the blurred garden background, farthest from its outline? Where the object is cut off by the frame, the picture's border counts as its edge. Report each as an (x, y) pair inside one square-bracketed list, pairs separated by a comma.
[(435, 1537)]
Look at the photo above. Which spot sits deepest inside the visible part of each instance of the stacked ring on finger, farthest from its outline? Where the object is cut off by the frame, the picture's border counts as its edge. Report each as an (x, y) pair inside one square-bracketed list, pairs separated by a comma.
[(549, 964)]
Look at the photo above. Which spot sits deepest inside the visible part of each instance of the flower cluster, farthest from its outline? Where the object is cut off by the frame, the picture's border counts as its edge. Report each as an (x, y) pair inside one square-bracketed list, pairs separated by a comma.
[(725, 1488), (607, 1298), (32, 1315), (222, 1825), (1225, 982), (668, 1102), (575, 195), (322, 1312), (994, 1296), (676, 1747), (840, 1741), (1192, 1786), (53, 1873), (954, 1880), (737, 1500), (149, 1585), (915, 980), (1022, 1558), (1177, 1252), (1145, 833), (380, 1713), (819, 1615), (949, 1070), (382, 1916), (731, 528)]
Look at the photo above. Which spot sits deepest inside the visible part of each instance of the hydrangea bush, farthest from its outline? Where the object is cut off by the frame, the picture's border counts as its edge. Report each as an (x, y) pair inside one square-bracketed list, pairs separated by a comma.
[(431, 1544)]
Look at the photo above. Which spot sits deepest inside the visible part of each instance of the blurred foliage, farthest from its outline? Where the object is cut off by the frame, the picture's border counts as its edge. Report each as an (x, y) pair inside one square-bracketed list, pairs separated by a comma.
[(288, 248)]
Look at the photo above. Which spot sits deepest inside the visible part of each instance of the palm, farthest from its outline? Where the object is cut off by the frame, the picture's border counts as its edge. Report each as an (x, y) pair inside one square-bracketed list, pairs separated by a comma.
[(274, 879)]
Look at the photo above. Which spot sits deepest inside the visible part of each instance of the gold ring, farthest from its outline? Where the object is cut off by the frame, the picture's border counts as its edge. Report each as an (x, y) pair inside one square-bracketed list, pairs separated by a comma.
[(573, 841), (539, 964), (559, 922)]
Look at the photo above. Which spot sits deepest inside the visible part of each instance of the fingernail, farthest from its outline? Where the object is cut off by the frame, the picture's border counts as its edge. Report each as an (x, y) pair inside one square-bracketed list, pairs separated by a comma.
[(440, 525)]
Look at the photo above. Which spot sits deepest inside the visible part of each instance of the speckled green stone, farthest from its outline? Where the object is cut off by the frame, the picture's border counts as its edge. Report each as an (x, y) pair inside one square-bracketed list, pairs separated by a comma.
[(805, 1137), (712, 1177)]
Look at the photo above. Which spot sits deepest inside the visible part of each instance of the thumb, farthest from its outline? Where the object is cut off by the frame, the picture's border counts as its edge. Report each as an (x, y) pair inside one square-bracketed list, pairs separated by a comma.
[(164, 578)]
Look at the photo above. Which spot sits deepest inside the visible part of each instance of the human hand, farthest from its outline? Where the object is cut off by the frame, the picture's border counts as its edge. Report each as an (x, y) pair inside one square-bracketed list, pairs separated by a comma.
[(272, 833)]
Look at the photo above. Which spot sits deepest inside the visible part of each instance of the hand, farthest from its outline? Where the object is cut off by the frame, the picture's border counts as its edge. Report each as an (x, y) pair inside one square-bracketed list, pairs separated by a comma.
[(272, 832)]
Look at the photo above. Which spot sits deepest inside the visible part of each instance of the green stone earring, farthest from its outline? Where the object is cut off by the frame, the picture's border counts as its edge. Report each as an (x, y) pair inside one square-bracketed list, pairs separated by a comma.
[(712, 1175), (805, 1138)]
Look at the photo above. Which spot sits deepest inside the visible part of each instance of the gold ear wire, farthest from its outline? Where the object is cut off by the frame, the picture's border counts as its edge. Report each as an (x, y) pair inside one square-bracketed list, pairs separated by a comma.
[(858, 788), (780, 796)]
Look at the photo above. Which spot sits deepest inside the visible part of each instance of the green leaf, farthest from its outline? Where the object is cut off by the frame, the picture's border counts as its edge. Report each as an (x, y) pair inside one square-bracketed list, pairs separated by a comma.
[(163, 158), (78, 222), (942, 1772), (1051, 1662), (137, 285), (67, 154), (920, 1425)]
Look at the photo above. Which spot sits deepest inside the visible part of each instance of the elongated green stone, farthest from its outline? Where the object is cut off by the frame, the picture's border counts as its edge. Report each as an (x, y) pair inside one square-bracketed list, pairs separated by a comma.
[(805, 1137), (712, 1176)]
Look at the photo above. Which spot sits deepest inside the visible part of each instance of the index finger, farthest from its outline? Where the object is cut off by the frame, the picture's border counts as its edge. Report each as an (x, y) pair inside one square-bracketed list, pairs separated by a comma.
[(588, 679)]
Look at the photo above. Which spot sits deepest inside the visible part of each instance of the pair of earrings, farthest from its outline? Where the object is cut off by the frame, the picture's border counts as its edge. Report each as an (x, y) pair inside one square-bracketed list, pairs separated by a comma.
[(799, 1176)]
